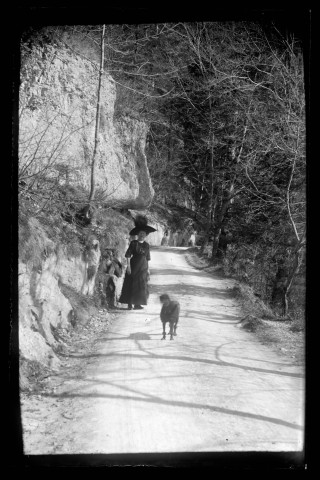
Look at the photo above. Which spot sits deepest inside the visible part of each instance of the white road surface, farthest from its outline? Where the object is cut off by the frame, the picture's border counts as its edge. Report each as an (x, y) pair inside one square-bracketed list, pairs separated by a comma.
[(214, 388)]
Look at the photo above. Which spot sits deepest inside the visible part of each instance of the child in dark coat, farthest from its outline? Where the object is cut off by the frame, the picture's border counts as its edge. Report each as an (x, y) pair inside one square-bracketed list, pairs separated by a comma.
[(169, 314)]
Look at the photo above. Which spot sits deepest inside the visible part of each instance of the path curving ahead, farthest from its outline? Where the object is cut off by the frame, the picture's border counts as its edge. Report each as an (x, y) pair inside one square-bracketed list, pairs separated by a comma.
[(214, 388)]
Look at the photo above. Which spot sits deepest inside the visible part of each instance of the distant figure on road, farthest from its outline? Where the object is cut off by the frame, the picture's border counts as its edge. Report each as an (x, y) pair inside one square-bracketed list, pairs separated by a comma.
[(192, 240), (135, 284), (169, 314), (165, 239)]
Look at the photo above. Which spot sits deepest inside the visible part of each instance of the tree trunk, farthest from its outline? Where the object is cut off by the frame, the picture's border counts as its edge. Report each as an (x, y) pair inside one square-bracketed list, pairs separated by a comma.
[(169, 145), (284, 279), (278, 297), (211, 200), (208, 230), (294, 270), (219, 219), (227, 200), (96, 137), (210, 209)]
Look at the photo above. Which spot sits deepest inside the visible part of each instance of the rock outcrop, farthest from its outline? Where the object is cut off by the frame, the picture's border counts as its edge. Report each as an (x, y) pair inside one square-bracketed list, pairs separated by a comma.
[(43, 305), (58, 98)]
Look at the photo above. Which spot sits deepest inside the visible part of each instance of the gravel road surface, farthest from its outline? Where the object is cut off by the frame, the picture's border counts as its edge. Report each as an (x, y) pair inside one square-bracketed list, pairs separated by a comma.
[(214, 388)]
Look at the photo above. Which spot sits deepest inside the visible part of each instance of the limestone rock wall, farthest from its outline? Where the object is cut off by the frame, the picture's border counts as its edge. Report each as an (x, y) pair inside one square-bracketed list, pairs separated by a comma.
[(43, 306), (58, 97)]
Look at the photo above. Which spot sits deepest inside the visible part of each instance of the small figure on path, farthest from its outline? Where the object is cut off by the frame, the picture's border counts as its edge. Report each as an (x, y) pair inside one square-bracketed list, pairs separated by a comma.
[(165, 239), (135, 284), (169, 314)]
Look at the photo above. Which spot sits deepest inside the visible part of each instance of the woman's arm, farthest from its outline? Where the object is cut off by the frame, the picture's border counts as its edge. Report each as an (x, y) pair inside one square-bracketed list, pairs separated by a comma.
[(148, 257), (128, 266), (128, 255)]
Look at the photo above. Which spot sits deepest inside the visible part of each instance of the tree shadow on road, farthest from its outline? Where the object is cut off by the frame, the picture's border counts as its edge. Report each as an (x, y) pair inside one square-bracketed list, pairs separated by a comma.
[(190, 290), (138, 336), (178, 271), (146, 397), (220, 363), (208, 316), (178, 250), (149, 398)]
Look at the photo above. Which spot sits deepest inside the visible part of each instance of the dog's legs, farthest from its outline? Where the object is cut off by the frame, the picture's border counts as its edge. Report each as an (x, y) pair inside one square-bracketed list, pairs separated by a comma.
[(171, 330), (175, 329), (163, 331)]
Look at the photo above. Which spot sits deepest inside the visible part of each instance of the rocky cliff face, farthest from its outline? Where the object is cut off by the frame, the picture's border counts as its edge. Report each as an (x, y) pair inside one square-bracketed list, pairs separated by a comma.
[(48, 295), (58, 97)]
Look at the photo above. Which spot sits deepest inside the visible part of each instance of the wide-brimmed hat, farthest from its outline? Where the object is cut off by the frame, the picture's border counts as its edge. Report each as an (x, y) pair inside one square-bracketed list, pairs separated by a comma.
[(141, 223)]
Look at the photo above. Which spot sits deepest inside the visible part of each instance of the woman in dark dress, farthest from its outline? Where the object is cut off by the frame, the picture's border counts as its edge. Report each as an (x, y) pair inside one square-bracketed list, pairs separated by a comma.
[(135, 285)]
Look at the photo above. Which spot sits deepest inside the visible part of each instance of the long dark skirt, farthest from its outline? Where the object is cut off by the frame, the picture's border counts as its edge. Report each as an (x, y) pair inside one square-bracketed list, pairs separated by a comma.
[(135, 286)]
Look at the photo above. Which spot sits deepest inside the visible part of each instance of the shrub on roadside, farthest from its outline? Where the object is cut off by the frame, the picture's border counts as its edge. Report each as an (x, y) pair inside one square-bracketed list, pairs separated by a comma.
[(252, 304)]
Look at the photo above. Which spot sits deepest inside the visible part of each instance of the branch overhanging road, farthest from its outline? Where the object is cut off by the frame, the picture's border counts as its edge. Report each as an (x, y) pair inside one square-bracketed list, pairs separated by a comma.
[(214, 388)]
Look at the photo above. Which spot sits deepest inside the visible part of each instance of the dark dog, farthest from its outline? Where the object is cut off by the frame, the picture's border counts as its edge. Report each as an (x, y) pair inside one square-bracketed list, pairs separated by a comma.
[(169, 314)]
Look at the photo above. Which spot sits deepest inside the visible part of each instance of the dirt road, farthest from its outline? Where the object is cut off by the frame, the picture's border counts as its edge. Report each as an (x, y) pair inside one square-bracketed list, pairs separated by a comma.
[(213, 388)]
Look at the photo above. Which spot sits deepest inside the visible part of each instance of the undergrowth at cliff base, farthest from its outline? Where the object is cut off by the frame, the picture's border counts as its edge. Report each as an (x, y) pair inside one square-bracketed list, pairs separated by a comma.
[(72, 344)]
